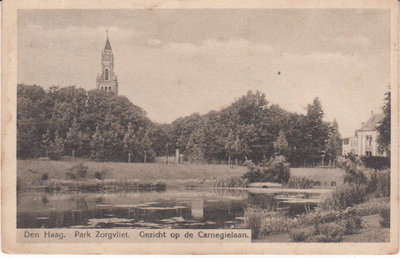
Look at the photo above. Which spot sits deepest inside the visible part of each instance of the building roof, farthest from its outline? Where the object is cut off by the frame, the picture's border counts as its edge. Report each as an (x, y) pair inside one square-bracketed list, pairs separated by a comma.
[(372, 122), (108, 45)]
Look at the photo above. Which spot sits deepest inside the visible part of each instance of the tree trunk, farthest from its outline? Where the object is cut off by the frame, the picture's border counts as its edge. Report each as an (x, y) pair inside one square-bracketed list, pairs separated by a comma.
[(229, 160), (236, 162), (129, 157), (73, 154), (145, 157)]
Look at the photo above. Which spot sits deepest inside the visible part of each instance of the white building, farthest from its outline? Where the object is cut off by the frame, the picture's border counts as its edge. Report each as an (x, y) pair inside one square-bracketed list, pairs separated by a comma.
[(364, 142)]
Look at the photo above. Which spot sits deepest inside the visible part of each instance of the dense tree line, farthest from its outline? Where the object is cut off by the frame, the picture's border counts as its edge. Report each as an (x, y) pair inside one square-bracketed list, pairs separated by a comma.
[(101, 126), (75, 122), (253, 129)]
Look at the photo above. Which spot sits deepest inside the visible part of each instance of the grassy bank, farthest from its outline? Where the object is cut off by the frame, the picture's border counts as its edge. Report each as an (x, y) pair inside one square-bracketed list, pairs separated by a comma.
[(44, 172)]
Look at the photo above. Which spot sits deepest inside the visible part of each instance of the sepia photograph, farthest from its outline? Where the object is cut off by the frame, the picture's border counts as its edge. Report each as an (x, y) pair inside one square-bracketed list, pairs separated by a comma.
[(270, 125)]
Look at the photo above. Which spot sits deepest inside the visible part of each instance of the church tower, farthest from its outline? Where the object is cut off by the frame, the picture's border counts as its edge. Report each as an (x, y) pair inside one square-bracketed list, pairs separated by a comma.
[(107, 81)]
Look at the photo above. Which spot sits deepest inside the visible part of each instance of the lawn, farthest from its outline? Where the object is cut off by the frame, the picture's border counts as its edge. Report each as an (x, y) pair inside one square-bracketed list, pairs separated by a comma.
[(31, 171), (324, 175)]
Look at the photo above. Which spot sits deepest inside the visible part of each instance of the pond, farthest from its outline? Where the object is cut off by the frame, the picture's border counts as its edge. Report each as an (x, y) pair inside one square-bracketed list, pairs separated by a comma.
[(174, 208)]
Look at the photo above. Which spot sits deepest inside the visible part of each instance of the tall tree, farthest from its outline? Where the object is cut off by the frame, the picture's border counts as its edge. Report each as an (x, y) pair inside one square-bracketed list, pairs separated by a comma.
[(384, 127), (334, 144), (130, 142), (281, 145), (315, 133)]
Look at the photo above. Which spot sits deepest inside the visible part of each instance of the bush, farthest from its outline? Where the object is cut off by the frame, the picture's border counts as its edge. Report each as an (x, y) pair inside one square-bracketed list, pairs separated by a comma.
[(355, 176), (253, 219), (274, 170), (385, 218), (372, 207), (330, 232), (351, 225), (301, 183), (383, 184), (300, 234), (79, 171), (232, 182), (45, 176), (346, 196), (376, 162)]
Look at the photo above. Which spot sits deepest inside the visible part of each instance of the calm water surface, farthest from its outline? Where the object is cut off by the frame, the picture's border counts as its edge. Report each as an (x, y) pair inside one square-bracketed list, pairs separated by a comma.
[(173, 208)]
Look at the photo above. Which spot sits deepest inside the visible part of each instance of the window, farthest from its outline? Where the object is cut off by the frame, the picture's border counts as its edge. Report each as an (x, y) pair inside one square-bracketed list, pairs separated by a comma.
[(106, 74), (101, 87), (368, 153), (346, 141), (109, 88)]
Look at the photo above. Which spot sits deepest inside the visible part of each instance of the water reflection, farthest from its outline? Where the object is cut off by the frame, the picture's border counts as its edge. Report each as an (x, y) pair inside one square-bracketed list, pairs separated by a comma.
[(174, 208)]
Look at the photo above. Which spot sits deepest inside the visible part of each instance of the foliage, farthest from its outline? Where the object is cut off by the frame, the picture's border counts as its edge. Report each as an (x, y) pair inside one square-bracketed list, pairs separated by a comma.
[(301, 183), (334, 144), (234, 181), (63, 121), (379, 183), (371, 207), (345, 196), (45, 176), (253, 219), (300, 234), (274, 170), (281, 145), (329, 232), (56, 147), (376, 162), (384, 127), (385, 218), (95, 124), (351, 225), (78, 172)]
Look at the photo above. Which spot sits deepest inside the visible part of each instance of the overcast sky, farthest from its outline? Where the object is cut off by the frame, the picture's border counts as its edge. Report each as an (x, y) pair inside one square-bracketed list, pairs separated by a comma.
[(176, 62)]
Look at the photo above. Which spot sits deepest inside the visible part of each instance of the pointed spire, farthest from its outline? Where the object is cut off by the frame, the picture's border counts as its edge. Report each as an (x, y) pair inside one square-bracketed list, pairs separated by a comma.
[(108, 46)]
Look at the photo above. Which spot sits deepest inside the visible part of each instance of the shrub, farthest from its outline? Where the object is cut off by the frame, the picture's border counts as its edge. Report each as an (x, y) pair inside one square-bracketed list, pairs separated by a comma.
[(345, 196), (232, 182), (78, 171), (351, 225), (355, 176), (253, 217), (300, 234), (274, 170), (329, 232), (301, 183), (371, 207), (385, 218), (383, 184), (376, 162), (45, 176)]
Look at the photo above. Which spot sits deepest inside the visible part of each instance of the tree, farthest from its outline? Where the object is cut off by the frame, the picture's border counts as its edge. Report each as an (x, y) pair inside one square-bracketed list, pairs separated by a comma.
[(130, 142), (281, 145), (56, 147), (384, 127), (144, 147), (97, 145), (315, 132), (334, 144), (74, 138)]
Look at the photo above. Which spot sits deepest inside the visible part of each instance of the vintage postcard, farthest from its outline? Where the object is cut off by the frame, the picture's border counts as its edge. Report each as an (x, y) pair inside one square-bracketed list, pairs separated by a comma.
[(200, 127)]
